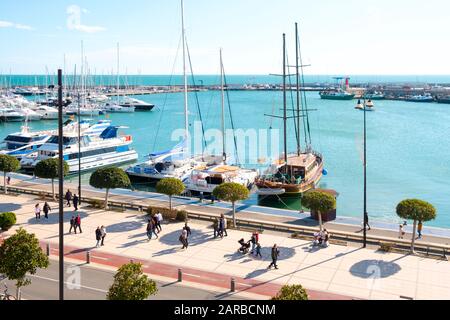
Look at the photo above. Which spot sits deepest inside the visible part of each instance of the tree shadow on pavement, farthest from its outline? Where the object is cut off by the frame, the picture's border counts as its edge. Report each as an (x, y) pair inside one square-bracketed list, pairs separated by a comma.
[(266, 252), (125, 226), (256, 273), (374, 269), (8, 207)]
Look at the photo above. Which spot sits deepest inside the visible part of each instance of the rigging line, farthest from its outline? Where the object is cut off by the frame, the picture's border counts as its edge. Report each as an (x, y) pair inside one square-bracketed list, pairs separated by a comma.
[(166, 95), (196, 96), (304, 104), (231, 116), (292, 101)]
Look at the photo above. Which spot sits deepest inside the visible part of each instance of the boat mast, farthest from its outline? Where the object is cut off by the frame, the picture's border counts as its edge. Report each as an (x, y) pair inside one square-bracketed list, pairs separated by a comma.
[(297, 74), (224, 154), (118, 75), (284, 102), (183, 34)]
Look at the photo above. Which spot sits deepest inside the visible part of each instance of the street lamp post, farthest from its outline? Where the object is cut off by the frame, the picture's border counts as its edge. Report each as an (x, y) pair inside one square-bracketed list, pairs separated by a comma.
[(365, 178), (61, 187), (79, 152)]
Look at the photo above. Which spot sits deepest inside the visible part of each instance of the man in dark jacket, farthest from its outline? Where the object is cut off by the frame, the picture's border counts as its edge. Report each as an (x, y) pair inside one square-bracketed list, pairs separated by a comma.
[(72, 225), (98, 236), (75, 202), (78, 223), (275, 254), (68, 197)]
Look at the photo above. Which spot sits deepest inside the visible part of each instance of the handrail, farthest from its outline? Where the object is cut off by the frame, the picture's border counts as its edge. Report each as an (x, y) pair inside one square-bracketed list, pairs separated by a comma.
[(277, 226)]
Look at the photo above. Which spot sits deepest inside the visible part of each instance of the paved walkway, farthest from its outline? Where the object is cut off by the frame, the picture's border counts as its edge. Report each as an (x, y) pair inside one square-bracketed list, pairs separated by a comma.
[(347, 224), (334, 272)]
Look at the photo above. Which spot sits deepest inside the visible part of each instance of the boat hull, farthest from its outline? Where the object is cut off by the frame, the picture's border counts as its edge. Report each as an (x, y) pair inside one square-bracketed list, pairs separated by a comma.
[(332, 97)]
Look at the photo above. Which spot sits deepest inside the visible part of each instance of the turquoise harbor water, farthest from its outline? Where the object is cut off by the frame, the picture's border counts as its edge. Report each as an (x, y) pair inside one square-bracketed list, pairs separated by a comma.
[(408, 144)]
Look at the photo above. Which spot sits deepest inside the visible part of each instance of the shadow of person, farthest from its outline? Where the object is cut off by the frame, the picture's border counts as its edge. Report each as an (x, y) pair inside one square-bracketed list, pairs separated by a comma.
[(256, 273), (374, 269), (125, 226), (53, 217), (196, 238)]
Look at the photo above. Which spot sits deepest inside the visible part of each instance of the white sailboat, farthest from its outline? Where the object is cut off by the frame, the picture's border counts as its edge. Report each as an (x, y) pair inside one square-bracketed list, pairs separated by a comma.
[(176, 162), (204, 179)]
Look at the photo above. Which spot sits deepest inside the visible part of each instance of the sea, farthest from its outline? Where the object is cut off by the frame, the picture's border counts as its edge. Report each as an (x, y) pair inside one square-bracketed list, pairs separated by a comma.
[(408, 144)]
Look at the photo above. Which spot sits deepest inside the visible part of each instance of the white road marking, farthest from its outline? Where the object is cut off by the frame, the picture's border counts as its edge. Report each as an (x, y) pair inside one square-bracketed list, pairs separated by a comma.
[(81, 286)]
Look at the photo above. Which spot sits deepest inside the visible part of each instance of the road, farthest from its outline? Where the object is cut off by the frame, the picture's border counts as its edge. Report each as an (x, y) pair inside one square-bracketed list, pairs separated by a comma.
[(94, 284)]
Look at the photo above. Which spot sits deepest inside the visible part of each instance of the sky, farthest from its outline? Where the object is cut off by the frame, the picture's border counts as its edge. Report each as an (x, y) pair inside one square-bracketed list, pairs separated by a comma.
[(380, 37)]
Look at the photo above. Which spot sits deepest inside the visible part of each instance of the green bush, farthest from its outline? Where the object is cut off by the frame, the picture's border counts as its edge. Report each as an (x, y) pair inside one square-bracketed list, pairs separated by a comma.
[(386, 246), (182, 215), (291, 292), (7, 220)]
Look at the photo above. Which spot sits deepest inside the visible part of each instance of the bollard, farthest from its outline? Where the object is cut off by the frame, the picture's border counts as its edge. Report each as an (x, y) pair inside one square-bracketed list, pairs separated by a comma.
[(88, 257), (180, 275), (233, 285), (48, 249)]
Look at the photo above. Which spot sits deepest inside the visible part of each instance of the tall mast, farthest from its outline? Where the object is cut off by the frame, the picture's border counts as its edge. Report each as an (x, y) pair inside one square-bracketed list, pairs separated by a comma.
[(224, 154), (82, 69), (118, 75), (183, 34), (298, 89), (284, 101)]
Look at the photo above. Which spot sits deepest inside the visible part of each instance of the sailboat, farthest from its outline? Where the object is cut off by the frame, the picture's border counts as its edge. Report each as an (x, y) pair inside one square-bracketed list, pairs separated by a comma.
[(295, 173), (177, 161), (204, 179)]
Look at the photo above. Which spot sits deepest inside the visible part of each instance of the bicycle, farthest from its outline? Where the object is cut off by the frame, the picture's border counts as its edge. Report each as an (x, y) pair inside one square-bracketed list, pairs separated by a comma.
[(5, 295)]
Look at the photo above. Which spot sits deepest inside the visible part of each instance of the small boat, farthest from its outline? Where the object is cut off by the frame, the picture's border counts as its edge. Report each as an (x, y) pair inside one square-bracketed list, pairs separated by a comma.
[(11, 115), (420, 98), (374, 96), (116, 108), (138, 105), (47, 113), (22, 143), (270, 192), (443, 99), (336, 95)]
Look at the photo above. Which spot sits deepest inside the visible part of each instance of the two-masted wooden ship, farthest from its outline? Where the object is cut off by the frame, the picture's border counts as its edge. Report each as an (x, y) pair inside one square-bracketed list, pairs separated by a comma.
[(297, 172)]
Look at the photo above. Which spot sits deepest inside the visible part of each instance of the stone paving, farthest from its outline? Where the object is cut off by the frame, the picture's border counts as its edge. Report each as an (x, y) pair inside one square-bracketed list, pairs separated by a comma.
[(350, 271)]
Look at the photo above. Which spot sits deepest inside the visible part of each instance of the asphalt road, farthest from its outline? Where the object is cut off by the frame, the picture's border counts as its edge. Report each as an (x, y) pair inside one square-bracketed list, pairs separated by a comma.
[(94, 283)]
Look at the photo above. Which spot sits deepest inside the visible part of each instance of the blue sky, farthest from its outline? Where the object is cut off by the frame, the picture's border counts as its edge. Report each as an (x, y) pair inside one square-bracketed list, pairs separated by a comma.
[(338, 37)]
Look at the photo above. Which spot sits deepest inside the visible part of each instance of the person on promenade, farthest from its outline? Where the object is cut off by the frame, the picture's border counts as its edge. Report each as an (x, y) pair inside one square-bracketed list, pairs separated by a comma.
[(8, 180), (72, 225), (37, 211), (188, 229), (46, 209), (75, 202), (401, 232), (98, 236), (159, 219), (275, 254), (78, 224), (151, 229), (223, 226), (184, 239), (419, 229), (258, 250), (216, 227), (68, 197), (103, 231), (366, 221), (253, 241)]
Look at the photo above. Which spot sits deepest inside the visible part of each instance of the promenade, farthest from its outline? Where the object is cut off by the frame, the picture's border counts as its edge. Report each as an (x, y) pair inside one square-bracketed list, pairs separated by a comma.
[(336, 272)]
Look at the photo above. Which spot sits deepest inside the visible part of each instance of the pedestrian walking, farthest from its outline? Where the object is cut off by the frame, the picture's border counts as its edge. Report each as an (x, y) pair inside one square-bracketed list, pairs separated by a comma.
[(72, 225), (253, 242), (184, 239), (46, 209), (258, 250), (401, 232), (75, 202), (78, 224), (68, 197), (98, 236), (275, 254), (188, 229), (366, 221), (216, 227), (8, 180), (151, 229), (223, 226), (419, 229), (103, 230), (159, 219), (37, 211)]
